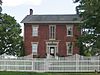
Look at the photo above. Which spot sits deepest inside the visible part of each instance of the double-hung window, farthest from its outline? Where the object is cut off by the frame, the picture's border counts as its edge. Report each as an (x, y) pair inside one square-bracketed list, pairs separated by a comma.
[(69, 30), (35, 30), (69, 48), (52, 32), (34, 48)]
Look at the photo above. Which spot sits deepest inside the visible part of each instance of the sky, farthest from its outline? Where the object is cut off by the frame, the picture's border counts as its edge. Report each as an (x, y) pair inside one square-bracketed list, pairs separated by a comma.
[(20, 8)]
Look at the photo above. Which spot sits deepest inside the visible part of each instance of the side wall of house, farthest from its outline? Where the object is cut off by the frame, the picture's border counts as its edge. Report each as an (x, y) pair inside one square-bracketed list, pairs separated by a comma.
[(63, 38), (27, 38)]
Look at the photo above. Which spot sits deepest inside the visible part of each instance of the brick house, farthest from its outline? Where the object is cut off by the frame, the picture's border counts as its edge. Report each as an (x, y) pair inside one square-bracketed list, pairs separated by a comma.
[(48, 36)]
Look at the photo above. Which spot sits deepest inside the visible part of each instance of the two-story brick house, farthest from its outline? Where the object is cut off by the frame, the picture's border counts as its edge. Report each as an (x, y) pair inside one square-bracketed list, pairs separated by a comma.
[(51, 35)]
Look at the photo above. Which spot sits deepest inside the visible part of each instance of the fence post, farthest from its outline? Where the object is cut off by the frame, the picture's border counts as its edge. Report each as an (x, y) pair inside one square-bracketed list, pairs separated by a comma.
[(99, 63), (32, 64), (46, 65), (77, 62)]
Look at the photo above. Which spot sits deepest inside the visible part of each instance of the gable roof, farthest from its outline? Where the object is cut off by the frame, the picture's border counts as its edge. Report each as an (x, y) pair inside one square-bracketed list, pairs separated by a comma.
[(72, 18)]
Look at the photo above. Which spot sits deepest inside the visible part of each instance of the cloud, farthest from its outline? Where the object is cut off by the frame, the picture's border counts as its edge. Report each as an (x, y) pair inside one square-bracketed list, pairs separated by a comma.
[(20, 2)]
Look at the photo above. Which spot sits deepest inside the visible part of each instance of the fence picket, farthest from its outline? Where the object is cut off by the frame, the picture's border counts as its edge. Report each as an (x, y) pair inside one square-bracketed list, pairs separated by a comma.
[(75, 63)]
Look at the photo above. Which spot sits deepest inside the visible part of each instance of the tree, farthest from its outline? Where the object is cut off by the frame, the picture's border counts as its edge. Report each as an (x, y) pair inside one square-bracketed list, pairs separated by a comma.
[(0, 6), (10, 40), (0, 1), (89, 10)]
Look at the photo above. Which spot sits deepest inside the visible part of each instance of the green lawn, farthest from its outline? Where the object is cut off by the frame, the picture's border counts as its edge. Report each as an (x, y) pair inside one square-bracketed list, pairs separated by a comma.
[(32, 73)]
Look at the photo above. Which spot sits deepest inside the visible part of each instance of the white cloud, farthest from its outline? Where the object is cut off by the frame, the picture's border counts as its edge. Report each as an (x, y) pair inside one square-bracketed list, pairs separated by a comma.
[(20, 2)]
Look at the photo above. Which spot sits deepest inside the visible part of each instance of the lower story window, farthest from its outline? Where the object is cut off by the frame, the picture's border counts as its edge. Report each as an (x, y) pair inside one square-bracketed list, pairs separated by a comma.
[(34, 48), (69, 48)]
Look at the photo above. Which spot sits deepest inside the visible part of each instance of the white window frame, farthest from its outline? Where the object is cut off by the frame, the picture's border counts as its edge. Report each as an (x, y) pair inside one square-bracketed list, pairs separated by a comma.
[(52, 33), (35, 51), (68, 27), (52, 44), (67, 45), (35, 30)]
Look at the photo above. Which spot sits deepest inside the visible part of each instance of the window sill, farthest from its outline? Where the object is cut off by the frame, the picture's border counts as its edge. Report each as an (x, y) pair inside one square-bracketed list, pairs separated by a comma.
[(69, 35), (34, 36), (52, 39), (34, 53), (69, 54)]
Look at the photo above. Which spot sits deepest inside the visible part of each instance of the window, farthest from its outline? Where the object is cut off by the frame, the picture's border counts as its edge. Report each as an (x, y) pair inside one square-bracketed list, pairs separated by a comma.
[(52, 31), (34, 48), (34, 30), (69, 48), (69, 30)]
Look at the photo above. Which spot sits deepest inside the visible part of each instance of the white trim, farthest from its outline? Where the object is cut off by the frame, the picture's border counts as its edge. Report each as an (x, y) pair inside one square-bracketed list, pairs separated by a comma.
[(52, 44), (67, 48), (37, 30), (51, 35), (67, 26), (35, 53), (54, 22)]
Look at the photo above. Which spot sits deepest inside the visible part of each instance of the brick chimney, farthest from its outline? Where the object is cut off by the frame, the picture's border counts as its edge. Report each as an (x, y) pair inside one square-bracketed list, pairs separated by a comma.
[(31, 11)]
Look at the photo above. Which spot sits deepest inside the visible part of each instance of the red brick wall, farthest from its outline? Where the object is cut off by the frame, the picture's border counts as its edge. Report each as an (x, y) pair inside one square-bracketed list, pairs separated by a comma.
[(27, 39), (41, 39), (43, 36), (76, 33), (61, 36)]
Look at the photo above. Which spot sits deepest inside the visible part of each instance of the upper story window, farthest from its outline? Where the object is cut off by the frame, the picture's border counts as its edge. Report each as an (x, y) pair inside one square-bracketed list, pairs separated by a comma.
[(34, 48), (52, 32), (35, 30), (69, 30), (69, 48)]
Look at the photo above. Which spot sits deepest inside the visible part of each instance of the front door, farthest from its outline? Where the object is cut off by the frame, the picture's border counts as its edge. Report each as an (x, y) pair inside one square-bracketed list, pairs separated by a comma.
[(51, 51)]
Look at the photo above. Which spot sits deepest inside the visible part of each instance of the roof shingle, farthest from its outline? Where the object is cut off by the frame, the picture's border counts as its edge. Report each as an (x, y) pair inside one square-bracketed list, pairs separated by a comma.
[(49, 18)]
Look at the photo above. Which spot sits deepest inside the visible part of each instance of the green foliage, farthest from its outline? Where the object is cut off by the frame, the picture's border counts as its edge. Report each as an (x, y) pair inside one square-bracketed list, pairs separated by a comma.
[(10, 40), (89, 10)]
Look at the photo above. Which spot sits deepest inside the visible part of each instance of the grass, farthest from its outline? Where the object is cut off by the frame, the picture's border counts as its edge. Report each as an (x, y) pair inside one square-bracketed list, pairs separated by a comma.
[(34, 73)]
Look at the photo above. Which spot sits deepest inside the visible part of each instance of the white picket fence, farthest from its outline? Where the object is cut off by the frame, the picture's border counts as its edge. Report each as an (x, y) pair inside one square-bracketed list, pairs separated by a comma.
[(75, 63)]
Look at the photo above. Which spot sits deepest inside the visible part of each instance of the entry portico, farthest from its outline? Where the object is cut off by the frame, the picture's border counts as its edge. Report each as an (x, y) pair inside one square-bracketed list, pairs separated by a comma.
[(52, 49)]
